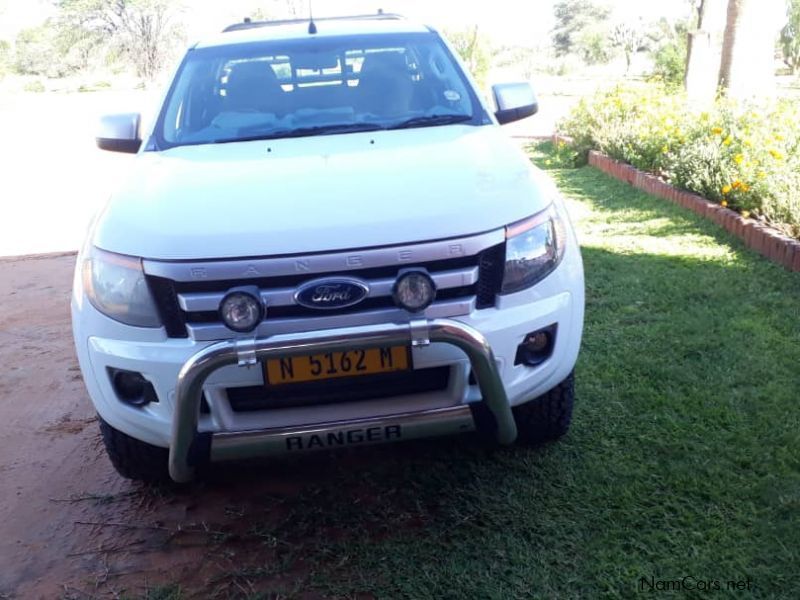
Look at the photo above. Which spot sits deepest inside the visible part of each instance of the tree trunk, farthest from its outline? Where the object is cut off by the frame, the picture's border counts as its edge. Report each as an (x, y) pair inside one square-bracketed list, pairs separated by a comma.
[(747, 67), (704, 51), (733, 29)]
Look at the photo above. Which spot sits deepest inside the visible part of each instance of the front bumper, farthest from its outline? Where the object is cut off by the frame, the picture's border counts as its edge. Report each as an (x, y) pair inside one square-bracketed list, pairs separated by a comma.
[(189, 447)]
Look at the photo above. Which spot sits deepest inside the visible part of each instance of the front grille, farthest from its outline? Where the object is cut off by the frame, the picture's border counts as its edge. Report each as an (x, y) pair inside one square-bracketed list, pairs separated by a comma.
[(491, 265), (187, 307), (163, 291), (332, 391)]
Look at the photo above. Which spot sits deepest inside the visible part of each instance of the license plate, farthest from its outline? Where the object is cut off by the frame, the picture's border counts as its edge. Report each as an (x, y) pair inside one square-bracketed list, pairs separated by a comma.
[(297, 369)]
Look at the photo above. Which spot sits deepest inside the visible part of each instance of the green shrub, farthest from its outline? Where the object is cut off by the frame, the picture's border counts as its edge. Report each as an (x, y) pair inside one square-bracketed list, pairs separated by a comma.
[(745, 156), (669, 63), (34, 86)]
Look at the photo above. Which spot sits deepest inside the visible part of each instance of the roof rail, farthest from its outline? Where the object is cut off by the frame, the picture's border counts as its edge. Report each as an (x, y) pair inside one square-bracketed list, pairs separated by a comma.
[(249, 24)]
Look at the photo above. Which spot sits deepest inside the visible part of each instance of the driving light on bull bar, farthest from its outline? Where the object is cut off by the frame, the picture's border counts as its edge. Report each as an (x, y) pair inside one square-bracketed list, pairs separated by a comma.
[(414, 290), (241, 310)]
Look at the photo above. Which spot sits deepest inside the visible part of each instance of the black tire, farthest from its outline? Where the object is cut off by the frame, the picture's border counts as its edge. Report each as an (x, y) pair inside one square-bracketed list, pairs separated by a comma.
[(547, 417), (134, 459)]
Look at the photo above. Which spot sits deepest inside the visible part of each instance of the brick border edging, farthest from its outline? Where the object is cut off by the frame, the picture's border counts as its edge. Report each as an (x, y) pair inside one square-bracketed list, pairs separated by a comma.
[(768, 242)]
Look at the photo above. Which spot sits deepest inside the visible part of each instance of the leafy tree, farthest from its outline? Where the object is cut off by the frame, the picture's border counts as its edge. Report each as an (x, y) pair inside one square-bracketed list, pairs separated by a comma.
[(474, 50), (578, 27), (594, 46), (790, 36), (5, 58), (668, 47), (630, 38), (36, 52), (144, 31)]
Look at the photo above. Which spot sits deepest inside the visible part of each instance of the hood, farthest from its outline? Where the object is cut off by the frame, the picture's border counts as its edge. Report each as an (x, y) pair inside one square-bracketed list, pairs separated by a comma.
[(318, 194)]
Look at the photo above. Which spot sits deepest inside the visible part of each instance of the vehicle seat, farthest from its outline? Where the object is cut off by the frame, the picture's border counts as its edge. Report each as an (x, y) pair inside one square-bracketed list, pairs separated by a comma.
[(253, 87), (385, 88)]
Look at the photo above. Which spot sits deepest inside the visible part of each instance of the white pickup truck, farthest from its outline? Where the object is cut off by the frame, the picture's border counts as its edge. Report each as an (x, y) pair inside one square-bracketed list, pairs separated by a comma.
[(326, 240)]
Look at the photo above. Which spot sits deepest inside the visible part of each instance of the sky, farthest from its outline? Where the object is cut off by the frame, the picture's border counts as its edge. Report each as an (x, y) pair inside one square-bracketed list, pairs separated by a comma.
[(511, 21)]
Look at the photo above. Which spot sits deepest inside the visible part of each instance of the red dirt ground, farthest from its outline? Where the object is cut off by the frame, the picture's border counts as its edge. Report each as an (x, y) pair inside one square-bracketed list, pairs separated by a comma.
[(70, 527)]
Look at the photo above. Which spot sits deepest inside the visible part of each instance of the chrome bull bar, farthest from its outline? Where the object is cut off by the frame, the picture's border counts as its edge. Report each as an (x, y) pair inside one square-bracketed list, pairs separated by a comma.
[(186, 442)]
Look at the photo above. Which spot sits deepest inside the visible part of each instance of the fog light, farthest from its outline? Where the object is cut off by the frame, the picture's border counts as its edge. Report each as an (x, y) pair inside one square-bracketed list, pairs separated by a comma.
[(131, 387), (536, 347), (414, 290), (241, 310), (536, 342)]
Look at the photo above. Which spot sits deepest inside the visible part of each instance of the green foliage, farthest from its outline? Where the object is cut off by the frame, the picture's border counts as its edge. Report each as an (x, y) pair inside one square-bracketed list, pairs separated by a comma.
[(669, 64), (594, 47), (5, 58), (668, 51), (144, 32), (35, 51), (744, 156), (35, 86), (474, 50), (790, 36), (580, 29), (630, 38)]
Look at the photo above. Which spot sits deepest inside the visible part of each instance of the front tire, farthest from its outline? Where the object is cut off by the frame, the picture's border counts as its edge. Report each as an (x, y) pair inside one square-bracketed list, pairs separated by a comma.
[(134, 459), (547, 417)]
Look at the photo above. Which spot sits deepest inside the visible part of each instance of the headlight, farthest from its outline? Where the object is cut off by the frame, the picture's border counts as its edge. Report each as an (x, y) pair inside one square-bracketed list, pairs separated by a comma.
[(534, 247), (115, 285)]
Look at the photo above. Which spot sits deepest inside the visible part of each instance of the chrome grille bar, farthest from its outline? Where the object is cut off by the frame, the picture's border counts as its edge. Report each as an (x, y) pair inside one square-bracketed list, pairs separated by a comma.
[(210, 301)]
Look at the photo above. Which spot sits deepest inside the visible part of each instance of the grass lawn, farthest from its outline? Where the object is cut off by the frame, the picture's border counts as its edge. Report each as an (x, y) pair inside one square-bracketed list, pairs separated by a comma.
[(683, 459)]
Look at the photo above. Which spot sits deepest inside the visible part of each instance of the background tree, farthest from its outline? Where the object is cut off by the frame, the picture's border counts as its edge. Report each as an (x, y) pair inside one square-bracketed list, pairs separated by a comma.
[(579, 25), (5, 58), (790, 37), (474, 50), (37, 51), (630, 38), (144, 31), (748, 50), (667, 44), (704, 50)]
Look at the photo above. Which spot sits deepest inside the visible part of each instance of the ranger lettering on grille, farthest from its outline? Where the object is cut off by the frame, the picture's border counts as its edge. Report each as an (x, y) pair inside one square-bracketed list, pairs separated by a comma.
[(344, 437)]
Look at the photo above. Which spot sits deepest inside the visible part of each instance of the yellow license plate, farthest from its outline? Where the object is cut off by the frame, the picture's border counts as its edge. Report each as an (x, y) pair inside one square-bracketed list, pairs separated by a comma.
[(296, 369)]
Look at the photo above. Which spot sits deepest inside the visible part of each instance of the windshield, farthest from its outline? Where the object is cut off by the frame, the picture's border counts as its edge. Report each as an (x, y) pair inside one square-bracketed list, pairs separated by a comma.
[(315, 86)]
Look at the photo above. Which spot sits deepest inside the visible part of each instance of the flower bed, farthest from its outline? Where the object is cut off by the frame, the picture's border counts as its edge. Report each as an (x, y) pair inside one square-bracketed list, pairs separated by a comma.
[(744, 157), (769, 242)]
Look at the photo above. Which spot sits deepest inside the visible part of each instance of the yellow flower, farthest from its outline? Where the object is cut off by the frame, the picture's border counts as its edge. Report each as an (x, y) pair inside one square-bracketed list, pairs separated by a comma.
[(745, 187), (747, 143), (724, 203), (726, 189), (738, 159), (737, 184), (779, 137), (762, 175), (746, 214), (664, 149), (717, 131), (775, 154), (727, 141)]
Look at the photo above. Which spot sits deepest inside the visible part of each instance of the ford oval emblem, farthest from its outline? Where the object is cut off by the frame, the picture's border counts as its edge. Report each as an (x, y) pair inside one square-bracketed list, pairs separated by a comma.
[(331, 293)]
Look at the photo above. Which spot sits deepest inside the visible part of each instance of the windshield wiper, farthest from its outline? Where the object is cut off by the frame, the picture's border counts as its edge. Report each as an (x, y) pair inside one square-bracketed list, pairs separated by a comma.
[(307, 131), (430, 121)]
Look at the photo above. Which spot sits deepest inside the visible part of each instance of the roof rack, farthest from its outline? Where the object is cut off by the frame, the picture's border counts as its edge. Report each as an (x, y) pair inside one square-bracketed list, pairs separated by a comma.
[(249, 24)]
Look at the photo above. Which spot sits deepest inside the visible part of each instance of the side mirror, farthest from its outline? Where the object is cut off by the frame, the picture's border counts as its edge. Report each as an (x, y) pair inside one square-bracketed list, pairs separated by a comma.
[(514, 101), (119, 133)]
